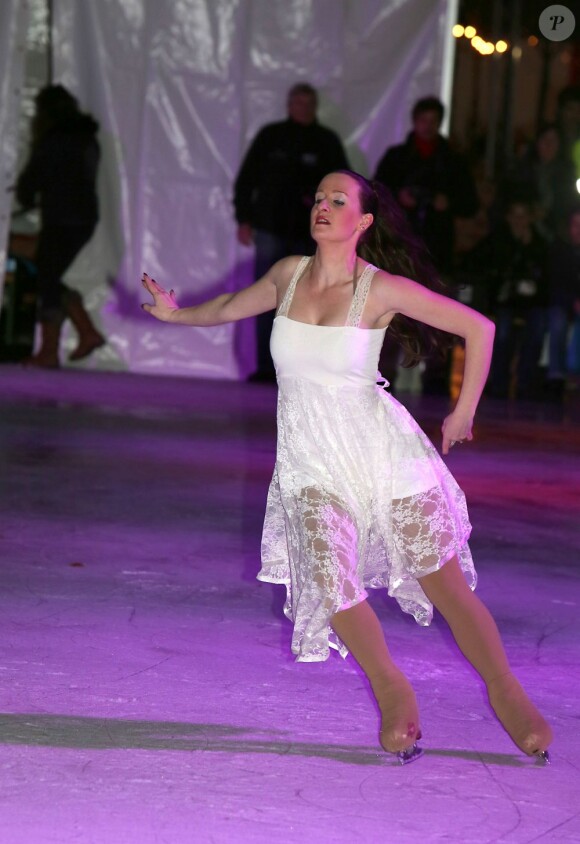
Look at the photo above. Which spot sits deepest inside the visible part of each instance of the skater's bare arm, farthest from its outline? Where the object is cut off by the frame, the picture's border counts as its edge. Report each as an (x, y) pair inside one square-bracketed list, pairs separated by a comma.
[(401, 295), (228, 307)]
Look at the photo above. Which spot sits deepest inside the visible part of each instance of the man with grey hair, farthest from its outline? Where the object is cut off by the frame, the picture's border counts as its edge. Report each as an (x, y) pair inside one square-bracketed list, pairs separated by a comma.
[(274, 192)]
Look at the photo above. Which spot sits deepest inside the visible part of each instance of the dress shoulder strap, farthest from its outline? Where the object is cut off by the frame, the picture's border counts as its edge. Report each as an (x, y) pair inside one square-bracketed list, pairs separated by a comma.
[(289, 294), (360, 296)]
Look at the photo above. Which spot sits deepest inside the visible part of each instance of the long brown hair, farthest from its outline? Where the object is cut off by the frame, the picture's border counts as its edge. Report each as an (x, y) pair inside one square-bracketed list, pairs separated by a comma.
[(391, 245)]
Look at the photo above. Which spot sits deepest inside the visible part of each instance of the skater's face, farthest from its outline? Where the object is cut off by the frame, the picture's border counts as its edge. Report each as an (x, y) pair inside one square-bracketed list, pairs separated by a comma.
[(336, 214)]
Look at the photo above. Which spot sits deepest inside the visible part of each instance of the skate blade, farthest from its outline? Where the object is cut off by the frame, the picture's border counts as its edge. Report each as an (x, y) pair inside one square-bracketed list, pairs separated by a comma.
[(411, 754)]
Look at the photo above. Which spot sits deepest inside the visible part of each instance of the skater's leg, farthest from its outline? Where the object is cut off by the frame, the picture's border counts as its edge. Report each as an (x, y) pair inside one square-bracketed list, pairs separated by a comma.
[(361, 631), (477, 636)]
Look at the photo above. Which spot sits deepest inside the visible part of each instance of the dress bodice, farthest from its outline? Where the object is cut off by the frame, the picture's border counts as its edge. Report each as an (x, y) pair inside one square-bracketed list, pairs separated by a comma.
[(331, 355)]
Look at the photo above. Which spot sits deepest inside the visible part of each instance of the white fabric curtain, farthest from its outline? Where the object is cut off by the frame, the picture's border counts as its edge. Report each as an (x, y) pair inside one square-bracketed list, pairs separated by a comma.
[(180, 87), (14, 16)]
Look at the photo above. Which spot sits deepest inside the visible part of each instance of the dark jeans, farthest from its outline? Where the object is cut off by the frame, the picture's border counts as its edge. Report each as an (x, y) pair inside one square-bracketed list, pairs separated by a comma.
[(269, 249), (559, 323), (521, 333), (57, 248)]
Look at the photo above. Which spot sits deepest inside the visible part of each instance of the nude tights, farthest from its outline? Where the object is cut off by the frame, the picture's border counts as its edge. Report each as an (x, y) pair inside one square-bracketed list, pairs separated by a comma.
[(477, 636), (361, 631)]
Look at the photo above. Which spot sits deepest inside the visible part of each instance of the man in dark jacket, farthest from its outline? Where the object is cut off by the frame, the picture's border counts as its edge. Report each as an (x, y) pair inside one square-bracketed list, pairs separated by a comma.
[(512, 263), (430, 181), (274, 192), (60, 176), (434, 186)]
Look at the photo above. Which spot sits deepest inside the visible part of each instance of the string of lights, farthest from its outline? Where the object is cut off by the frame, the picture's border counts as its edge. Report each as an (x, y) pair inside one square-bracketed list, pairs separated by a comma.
[(483, 47), (487, 48)]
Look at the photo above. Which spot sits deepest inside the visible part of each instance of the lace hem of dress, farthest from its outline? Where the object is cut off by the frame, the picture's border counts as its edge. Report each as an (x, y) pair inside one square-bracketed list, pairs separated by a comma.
[(319, 650)]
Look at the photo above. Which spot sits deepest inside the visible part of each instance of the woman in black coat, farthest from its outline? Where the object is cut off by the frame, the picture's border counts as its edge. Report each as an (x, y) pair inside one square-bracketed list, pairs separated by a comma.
[(60, 176)]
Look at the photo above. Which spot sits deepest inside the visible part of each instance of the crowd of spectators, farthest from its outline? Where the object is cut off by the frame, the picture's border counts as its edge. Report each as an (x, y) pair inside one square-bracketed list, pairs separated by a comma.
[(520, 262), (523, 265)]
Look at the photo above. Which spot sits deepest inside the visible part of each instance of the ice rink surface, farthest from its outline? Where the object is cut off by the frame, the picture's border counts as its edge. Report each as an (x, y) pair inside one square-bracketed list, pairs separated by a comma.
[(148, 691)]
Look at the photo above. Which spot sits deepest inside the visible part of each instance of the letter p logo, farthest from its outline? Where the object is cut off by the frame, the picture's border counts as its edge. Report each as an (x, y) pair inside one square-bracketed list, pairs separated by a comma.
[(557, 23)]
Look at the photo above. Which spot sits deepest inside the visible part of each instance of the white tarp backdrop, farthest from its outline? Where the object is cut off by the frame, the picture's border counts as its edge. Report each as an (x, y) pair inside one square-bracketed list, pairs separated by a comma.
[(180, 87), (14, 15)]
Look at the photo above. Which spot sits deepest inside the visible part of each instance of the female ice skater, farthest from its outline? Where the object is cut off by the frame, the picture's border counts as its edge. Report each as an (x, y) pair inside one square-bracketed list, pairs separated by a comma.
[(359, 497)]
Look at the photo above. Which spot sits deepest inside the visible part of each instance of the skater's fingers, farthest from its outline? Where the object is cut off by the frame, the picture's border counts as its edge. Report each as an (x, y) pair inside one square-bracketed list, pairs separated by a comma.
[(157, 290), (148, 283), (151, 285)]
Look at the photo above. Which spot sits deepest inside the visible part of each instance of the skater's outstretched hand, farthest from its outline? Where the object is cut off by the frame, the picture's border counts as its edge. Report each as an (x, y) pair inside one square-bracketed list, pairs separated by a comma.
[(164, 304), (456, 428)]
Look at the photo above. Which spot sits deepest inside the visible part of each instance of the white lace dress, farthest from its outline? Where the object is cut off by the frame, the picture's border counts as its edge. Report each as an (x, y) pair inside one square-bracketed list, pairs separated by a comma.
[(360, 497)]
